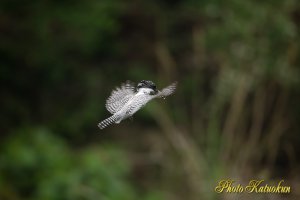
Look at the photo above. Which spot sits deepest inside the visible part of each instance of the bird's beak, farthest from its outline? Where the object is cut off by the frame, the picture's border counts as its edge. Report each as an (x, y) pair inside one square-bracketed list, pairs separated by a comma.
[(154, 92)]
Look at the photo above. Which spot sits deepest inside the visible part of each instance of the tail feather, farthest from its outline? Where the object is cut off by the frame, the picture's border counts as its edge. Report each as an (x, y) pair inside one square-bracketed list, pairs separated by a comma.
[(107, 122)]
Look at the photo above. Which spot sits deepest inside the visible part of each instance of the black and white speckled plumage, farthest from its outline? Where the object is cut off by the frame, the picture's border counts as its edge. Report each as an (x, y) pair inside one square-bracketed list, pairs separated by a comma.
[(124, 101), (119, 97)]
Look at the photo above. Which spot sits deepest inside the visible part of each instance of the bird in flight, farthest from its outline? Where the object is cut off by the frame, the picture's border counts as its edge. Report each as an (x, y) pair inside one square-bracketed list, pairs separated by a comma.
[(126, 100)]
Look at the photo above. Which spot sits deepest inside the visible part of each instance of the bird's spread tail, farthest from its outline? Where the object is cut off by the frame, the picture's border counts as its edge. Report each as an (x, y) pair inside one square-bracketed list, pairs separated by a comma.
[(107, 122)]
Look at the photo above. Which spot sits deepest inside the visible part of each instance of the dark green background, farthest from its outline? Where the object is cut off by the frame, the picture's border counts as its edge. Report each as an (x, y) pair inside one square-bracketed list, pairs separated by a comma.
[(235, 113)]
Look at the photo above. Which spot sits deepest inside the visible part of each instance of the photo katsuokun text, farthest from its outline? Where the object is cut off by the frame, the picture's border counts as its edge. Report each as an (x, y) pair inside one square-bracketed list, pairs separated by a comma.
[(253, 186)]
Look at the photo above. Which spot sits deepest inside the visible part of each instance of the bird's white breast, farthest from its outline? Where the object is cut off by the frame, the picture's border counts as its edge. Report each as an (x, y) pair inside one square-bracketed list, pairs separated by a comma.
[(144, 91)]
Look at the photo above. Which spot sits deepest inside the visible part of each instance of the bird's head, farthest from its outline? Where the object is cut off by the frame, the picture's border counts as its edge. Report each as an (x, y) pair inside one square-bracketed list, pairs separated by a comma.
[(148, 86)]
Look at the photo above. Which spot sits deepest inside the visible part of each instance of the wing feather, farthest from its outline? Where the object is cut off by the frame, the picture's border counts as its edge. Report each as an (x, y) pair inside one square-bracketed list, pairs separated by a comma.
[(138, 103), (119, 97), (167, 90)]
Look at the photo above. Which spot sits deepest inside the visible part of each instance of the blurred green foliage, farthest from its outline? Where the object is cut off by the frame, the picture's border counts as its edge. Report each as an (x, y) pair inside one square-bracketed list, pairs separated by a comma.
[(235, 112), (35, 164)]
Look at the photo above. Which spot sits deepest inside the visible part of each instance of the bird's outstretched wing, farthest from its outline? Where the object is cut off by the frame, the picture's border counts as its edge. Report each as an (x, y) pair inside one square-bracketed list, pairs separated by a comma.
[(167, 90), (119, 97)]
